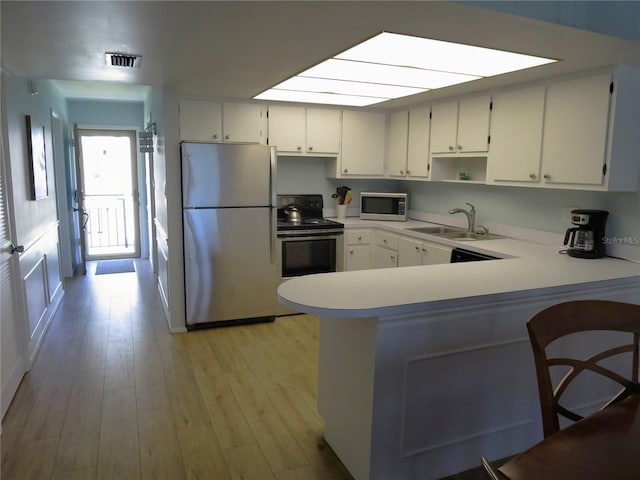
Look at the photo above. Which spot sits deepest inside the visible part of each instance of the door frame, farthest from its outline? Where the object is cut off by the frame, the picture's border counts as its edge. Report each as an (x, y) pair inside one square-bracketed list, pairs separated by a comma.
[(123, 131)]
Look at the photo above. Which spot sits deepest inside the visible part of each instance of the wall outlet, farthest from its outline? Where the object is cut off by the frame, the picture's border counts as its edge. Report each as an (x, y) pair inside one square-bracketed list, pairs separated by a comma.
[(567, 213)]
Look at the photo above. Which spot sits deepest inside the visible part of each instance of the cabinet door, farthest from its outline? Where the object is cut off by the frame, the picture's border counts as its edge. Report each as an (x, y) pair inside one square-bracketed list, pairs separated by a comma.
[(575, 130), (516, 135), (287, 127), (435, 254), (444, 127), (398, 134), (200, 121), (418, 147), (385, 258), (242, 122), (409, 252), (323, 130), (358, 257), (363, 143), (473, 124)]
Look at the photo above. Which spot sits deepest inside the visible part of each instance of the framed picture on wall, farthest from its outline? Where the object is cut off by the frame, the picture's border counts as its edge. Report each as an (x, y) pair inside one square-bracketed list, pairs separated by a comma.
[(37, 159)]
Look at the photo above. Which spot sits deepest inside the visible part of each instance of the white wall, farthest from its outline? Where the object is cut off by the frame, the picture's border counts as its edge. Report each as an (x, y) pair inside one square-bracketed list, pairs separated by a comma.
[(162, 107), (35, 228), (298, 175)]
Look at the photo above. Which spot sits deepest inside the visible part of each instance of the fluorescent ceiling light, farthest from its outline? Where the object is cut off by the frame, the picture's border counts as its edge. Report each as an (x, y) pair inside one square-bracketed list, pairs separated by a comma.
[(314, 97), (342, 87), (391, 65)]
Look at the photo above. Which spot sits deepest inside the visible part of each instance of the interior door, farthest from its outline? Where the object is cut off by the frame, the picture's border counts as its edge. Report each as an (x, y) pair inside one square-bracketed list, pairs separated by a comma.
[(81, 214), (13, 349)]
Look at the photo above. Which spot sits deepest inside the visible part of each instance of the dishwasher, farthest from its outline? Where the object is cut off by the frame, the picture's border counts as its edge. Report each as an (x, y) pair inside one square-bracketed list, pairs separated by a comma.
[(462, 255)]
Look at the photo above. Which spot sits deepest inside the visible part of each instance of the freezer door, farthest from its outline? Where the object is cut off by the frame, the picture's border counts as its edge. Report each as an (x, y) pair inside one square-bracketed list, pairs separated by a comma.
[(221, 175), (229, 272)]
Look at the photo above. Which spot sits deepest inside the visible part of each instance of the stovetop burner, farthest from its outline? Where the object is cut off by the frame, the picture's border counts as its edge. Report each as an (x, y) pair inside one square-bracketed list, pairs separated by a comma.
[(310, 207)]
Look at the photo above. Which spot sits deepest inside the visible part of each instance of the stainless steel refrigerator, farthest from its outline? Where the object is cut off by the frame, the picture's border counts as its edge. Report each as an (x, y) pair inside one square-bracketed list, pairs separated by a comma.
[(229, 224)]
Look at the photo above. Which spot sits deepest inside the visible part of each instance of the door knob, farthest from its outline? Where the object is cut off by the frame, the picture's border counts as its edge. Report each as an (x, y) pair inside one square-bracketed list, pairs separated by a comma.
[(17, 248)]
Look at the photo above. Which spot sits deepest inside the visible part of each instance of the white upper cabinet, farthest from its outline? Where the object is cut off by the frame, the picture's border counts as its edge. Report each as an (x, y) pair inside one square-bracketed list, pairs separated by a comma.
[(323, 131), (363, 144), (243, 122), (461, 126), (575, 130), (444, 127), (408, 154), (418, 147), (516, 135), (398, 136), (200, 121), (304, 131), (207, 121), (473, 124)]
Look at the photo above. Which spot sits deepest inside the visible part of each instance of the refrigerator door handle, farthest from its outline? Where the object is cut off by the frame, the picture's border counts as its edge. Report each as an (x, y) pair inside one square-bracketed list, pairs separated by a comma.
[(272, 236)]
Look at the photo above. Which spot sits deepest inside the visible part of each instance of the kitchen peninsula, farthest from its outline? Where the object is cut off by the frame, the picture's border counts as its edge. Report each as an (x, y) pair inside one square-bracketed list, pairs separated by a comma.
[(424, 369)]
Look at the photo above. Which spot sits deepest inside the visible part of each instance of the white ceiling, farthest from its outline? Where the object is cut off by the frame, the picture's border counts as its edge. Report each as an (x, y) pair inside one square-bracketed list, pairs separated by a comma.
[(237, 49)]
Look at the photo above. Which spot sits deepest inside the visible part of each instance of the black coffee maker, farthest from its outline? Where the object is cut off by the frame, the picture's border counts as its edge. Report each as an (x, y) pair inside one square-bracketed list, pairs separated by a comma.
[(587, 239)]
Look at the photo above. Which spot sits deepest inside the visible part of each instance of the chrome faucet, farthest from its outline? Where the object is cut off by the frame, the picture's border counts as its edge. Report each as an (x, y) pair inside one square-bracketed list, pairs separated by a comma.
[(471, 216)]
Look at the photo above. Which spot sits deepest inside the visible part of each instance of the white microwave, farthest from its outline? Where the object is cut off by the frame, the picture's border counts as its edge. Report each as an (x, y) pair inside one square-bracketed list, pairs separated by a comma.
[(383, 206)]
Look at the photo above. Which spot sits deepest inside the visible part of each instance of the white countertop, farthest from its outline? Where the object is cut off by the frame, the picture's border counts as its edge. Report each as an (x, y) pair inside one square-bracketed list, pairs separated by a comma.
[(524, 266)]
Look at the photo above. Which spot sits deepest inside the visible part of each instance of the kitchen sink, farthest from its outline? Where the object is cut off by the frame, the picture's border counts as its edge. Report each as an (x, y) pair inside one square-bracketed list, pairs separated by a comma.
[(454, 233), (465, 236), (437, 230)]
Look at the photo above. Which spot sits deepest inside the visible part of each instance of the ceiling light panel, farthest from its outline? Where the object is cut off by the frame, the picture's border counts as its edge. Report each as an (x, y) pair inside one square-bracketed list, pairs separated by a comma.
[(314, 97), (391, 65), (386, 74), (327, 85), (425, 53)]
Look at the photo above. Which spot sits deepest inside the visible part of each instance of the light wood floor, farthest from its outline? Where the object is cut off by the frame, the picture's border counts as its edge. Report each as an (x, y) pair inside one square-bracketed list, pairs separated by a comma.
[(113, 395)]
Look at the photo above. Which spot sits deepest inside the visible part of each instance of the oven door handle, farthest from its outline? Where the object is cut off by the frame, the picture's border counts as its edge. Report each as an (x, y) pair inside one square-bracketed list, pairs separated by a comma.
[(288, 238)]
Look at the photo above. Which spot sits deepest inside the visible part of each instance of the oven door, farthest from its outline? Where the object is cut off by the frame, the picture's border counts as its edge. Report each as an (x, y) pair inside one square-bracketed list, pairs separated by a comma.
[(304, 255)]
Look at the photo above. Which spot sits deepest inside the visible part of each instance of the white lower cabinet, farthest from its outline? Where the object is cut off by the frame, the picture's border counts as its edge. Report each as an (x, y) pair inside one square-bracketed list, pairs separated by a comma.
[(385, 253), (377, 248), (412, 251), (358, 249)]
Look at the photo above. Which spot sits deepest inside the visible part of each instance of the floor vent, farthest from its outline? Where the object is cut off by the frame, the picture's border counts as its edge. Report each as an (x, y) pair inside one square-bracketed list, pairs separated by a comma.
[(125, 60)]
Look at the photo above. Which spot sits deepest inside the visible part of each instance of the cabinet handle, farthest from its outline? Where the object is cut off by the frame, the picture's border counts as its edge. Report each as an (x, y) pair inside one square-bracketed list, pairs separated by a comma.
[(417, 248), (227, 137), (384, 240), (215, 136), (310, 148), (452, 148), (408, 172), (459, 147), (547, 176), (360, 238), (401, 172), (299, 148), (350, 252), (424, 249), (532, 176), (392, 257), (345, 171)]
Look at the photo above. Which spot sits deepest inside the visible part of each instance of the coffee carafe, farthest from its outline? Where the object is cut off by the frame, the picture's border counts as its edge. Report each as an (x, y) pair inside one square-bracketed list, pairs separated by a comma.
[(587, 239)]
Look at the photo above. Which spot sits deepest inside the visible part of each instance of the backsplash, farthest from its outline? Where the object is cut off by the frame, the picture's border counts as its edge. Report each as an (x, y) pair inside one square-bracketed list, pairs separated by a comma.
[(529, 208)]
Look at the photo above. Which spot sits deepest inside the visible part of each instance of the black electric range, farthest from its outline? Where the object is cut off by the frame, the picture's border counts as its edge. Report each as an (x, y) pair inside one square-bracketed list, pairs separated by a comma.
[(312, 221)]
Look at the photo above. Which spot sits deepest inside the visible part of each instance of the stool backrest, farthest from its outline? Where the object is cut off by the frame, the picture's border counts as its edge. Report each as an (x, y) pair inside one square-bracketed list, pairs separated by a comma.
[(572, 317)]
